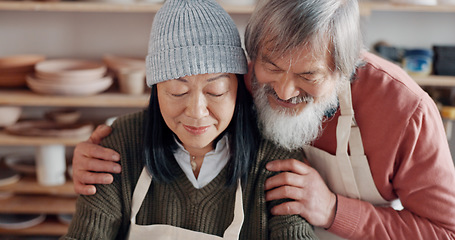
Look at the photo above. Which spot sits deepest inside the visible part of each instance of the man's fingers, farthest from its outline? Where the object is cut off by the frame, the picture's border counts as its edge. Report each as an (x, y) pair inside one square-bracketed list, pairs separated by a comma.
[(96, 151), (97, 165), (285, 192), (83, 189), (288, 165), (85, 177), (288, 208), (100, 132), (284, 179)]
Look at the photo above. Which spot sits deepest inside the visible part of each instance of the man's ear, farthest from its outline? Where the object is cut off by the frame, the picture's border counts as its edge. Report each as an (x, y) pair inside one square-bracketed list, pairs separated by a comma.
[(248, 77)]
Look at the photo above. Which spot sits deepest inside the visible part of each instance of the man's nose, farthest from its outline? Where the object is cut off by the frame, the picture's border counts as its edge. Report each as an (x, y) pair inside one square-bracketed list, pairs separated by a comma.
[(285, 87)]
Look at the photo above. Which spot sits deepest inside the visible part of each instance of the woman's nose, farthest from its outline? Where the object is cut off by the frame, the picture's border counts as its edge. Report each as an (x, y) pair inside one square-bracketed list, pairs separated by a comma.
[(285, 87), (197, 106)]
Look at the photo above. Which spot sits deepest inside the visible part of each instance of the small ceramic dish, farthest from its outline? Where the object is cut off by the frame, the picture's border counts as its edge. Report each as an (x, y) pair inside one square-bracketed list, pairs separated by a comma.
[(63, 116), (70, 70), (78, 89), (116, 63), (50, 129), (20, 221), (22, 163), (65, 218), (9, 115), (8, 176)]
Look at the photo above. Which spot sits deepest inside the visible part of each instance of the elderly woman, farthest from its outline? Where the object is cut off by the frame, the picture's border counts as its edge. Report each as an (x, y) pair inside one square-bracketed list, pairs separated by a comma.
[(193, 163)]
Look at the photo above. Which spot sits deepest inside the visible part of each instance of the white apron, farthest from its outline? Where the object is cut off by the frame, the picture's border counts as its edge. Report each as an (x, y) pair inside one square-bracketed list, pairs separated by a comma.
[(164, 232), (346, 175)]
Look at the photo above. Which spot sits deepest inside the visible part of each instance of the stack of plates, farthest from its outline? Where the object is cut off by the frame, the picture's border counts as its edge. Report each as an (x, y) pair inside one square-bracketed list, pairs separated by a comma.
[(14, 69), (69, 77)]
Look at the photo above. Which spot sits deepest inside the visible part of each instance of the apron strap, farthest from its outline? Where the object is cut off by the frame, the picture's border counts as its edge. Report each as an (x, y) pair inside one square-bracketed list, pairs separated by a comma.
[(343, 133), (233, 231), (140, 191)]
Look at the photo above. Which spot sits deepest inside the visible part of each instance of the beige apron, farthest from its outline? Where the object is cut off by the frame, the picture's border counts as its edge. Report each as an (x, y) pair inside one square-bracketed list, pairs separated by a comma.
[(346, 175), (162, 232)]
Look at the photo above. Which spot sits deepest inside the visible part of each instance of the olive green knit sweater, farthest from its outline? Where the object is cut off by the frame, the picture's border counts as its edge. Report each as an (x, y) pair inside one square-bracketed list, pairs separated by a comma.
[(106, 215)]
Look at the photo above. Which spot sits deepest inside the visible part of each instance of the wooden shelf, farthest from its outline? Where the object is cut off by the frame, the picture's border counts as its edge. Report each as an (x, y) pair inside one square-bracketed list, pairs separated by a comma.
[(13, 140), (50, 227), (108, 99), (29, 185), (371, 6), (436, 81), (81, 6), (36, 204)]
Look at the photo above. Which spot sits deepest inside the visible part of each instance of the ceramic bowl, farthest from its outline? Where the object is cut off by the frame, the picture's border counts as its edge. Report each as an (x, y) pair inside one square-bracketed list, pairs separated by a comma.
[(13, 79), (69, 89), (9, 115), (18, 61), (63, 116), (116, 63), (22, 163), (70, 70)]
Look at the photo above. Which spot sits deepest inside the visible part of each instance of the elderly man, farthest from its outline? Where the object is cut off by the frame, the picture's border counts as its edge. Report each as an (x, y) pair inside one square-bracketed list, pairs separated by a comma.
[(379, 163)]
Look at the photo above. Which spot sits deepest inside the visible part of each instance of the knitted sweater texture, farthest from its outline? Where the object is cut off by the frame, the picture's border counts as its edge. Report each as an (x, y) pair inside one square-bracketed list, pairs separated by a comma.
[(106, 215)]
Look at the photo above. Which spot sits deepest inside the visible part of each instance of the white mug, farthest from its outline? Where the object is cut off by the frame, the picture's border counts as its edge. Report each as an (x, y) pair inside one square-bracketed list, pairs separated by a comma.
[(50, 164)]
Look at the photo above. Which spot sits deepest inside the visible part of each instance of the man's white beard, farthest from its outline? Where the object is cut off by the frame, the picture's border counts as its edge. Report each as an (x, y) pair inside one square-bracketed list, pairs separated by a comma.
[(287, 129)]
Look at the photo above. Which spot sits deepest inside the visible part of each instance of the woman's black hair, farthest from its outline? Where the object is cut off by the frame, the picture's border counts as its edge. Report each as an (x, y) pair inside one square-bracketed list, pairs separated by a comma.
[(159, 143)]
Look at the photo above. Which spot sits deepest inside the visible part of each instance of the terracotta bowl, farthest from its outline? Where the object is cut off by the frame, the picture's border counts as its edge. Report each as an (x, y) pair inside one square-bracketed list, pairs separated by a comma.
[(70, 70), (18, 61), (13, 79), (9, 115), (14, 69), (69, 89)]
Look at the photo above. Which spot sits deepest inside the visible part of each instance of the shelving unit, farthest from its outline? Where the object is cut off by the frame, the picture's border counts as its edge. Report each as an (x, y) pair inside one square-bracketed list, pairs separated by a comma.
[(50, 200), (61, 199)]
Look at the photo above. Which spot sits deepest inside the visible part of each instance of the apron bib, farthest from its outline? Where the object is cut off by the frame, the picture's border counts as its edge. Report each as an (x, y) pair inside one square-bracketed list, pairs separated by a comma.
[(168, 232), (346, 175)]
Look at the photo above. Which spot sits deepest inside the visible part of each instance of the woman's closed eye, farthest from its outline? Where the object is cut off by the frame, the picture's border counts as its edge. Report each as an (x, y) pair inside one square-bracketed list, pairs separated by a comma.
[(179, 94)]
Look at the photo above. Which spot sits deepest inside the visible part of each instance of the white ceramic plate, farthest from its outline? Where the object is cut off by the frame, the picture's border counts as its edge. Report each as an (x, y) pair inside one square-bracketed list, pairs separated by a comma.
[(69, 89), (20, 221)]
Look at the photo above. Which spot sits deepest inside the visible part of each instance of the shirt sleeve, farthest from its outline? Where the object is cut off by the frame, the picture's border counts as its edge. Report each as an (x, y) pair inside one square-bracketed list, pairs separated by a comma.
[(423, 177)]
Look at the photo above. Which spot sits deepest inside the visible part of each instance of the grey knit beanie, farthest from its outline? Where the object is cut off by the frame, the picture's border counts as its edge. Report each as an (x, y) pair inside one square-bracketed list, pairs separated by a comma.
[(191, 37)]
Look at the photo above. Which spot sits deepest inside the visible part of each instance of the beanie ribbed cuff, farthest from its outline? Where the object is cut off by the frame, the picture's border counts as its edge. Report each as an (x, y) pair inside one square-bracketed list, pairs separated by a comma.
[(205, 59)]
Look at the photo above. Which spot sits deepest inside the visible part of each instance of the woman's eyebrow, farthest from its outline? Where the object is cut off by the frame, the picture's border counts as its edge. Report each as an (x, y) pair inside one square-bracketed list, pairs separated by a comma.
[(223, 75)]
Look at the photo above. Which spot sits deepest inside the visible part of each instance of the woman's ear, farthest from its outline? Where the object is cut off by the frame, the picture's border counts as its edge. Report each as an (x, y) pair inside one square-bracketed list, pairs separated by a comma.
[(248, 77)]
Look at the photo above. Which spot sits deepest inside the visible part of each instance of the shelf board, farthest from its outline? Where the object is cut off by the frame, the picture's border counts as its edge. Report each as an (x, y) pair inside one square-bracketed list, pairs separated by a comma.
[(367, 7), (436, 81), (81, 6), (29, 185), (36, 204), (50, 227), (14, 140), (25, 97)]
